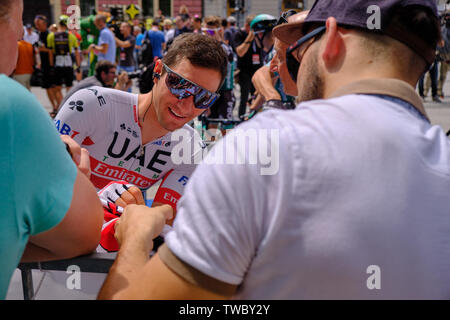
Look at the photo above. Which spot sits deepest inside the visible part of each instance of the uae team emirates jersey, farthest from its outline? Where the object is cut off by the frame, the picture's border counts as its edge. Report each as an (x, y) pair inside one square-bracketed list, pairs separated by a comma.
[(105, 122)]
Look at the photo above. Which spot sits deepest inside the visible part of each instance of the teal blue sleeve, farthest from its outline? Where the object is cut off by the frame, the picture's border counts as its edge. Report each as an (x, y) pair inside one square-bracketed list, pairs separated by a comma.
[(43, 174)]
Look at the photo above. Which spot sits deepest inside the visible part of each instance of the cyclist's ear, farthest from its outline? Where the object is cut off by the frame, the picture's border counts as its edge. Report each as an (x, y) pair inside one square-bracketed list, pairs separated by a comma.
[(158, 67)]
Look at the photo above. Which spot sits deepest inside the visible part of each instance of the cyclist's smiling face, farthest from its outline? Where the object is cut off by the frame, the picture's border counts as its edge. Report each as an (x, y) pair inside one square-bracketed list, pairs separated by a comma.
[(172, 113)]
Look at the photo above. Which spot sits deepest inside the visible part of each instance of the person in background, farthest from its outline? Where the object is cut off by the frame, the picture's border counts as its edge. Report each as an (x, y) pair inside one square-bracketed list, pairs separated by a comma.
[(231, 31), (157, 40), (126, 48), (272, 82), (430, 78), (51, 211), (105, 49), (137, 22), (78, 73), (223, 108), (169, 31), (25, 64), (30, 36), (159, 17), (137, 32), (105, 76), (46, 56), (63, 44), (444, 54), (181, 23), (197, 24), (252, 45)]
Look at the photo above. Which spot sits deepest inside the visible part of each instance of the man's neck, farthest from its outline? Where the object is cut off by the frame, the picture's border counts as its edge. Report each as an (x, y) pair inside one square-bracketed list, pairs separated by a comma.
[(150, 126), (361, 69)]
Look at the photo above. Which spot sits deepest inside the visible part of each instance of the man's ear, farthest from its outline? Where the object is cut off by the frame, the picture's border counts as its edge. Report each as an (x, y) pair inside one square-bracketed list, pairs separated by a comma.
[(158, 67), (334, 43)]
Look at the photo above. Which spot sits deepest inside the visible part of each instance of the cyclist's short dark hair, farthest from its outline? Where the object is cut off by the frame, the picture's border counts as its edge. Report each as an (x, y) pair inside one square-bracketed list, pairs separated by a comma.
[(200, 50)]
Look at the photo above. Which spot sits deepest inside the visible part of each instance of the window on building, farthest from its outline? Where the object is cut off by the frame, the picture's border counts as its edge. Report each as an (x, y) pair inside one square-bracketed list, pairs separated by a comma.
[(297, 5), (233, 6), (166, 7), (87, 7), (147, 8)]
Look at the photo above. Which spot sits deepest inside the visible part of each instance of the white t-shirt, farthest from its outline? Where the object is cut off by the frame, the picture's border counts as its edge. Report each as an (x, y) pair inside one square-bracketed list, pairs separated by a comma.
[(30, 38), (358, 209)]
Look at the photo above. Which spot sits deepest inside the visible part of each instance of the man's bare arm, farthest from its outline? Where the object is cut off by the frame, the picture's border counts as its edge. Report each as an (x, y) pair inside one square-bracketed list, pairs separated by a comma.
[(263, 82), (242, 49), (134, 275), (149, 279), (123, 44), (103, 48), (79, 231)]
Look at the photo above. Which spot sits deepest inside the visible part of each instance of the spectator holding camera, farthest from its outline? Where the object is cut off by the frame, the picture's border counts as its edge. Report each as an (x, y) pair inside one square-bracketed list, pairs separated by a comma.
[(105, 76)]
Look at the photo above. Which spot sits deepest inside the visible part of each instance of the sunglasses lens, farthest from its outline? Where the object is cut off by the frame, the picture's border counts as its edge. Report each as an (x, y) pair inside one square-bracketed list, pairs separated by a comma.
[(182, 88), (205, 99)]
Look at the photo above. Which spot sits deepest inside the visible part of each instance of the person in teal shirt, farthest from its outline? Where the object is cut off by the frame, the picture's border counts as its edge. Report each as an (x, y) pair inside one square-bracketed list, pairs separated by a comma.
[(50, 210)]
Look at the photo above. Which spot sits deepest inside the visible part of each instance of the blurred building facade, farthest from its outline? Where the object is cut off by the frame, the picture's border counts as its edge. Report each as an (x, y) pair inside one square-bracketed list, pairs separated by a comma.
[(170, 8)]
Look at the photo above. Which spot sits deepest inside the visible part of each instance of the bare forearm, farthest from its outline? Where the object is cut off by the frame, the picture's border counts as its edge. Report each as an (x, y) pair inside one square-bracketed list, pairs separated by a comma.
[(242, 49), (262, 80), (34, 253), (129, 262), (100, 49), (123, 44), (78, 58)]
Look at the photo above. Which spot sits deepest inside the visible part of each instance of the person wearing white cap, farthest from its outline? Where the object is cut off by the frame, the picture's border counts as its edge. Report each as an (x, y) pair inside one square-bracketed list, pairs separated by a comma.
[(231, 31), (29, 35), (169, 32)]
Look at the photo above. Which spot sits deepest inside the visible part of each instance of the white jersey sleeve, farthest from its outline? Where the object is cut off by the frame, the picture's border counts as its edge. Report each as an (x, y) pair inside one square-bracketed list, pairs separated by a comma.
[(82, 115), (172, 187)]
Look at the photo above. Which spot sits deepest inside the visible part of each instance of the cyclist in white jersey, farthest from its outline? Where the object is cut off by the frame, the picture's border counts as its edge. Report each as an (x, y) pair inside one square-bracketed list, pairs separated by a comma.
[(128, 136)]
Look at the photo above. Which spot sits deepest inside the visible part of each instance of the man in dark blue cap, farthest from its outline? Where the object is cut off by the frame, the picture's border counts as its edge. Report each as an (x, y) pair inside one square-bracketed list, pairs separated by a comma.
[(358, 208)]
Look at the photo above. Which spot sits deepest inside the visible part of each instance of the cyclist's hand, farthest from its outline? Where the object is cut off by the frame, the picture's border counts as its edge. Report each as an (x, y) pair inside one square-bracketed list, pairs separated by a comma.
[(79, 155), (121, 193)]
